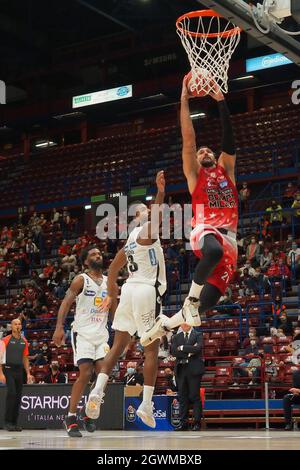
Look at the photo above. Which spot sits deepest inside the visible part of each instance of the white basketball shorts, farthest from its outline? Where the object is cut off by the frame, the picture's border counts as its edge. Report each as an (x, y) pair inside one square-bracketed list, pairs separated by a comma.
[(139, 306), (83, 349)]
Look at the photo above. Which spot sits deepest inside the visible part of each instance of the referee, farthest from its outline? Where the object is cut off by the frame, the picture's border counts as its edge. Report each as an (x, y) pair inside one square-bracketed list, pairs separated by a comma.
[(16, 358)]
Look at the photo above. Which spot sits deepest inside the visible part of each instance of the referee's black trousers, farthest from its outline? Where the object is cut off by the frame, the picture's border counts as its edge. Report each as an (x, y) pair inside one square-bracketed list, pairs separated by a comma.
[(14, 383)]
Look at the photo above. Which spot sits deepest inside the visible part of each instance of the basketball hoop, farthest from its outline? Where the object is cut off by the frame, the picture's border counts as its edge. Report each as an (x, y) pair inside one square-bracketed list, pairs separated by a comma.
[(209, 40)]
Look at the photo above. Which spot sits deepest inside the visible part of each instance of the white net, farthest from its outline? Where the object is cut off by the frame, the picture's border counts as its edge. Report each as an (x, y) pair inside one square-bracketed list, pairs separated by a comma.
[(209, 42)]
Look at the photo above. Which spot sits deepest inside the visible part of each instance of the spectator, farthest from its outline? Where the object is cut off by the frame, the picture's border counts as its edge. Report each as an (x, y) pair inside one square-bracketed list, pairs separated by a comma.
[(31, 250), (293, 259), (252, 349), (250, 368), (42, 222), (55, 216), (261, 282), (64, 249), (36, 355), (34, 219), (296, 214), (288, 243), (271, 368), (55, 376), (253, 251), (132, 377), (46, 351), (294, 347), (265, 259), (47, 271), (61, 289), (251, 335), (240, 243), (276, 217), (171, 385), (285, 323), (73, 273), (244, 196), (278, 308), (289, 194), (273, 272), (290, 399), (284, 271), (223, 302)]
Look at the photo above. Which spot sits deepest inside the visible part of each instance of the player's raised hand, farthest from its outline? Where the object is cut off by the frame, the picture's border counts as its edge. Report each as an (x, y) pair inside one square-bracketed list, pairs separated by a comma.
[(160, 181), (185, 92), (216, 92)]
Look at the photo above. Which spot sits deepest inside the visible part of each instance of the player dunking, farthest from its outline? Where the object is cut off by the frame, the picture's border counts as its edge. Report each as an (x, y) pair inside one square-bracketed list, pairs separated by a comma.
[(211, 183), (140, 302), (89, 331)]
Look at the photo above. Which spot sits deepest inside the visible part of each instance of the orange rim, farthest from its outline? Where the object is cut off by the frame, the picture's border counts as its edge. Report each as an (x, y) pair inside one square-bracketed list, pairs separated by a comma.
[(205, 13)]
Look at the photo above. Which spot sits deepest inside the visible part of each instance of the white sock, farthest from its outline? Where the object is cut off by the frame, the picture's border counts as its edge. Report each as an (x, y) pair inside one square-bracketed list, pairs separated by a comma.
[(71, 414), (148, 393), (195, 290), (174, 321), (101, 382)]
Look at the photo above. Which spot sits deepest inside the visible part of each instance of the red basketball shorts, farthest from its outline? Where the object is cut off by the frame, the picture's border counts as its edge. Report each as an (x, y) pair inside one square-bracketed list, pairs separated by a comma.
[(226, 267)]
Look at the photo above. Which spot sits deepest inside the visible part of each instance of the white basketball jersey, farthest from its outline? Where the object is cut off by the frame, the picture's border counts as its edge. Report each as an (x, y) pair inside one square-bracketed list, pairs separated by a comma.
[(145, 263), (89, 322)]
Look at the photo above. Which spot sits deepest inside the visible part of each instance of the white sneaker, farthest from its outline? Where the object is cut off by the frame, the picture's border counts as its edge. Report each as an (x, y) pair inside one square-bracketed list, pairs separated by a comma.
[(154, 333), (145, 413), (92, 408), (190, 312)]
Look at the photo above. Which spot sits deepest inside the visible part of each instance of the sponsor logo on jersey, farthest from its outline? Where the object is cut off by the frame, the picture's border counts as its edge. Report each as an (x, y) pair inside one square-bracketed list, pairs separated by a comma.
[(89, 293), (98, 301), (132, 245), (131, 414), (223, 184)]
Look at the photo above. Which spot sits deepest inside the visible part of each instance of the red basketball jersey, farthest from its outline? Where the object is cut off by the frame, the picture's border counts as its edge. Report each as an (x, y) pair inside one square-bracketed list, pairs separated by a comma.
[(215, 199)]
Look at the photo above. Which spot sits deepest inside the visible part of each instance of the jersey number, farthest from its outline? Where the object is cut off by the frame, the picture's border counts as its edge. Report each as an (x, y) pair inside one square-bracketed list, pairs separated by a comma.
[(152, 256)]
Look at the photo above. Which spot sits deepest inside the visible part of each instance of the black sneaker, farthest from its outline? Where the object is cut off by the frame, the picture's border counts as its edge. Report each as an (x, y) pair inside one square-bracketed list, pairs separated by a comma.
[(9, 427), (88, 424), (288, 427), (18, 428), (71, 426)]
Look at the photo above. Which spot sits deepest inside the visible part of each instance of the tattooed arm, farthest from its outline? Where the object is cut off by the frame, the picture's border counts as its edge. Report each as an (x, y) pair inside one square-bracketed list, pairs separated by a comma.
[(71, 294)]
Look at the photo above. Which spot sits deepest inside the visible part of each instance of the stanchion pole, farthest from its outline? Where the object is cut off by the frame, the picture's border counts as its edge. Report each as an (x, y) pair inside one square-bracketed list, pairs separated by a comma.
[(267, 405)]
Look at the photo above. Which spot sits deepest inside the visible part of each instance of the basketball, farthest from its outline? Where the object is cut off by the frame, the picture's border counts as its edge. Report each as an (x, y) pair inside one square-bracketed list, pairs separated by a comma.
[(196, 86)]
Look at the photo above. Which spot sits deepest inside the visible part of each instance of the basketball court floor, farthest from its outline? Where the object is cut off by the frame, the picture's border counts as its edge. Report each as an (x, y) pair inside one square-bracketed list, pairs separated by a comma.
[(139, 440)]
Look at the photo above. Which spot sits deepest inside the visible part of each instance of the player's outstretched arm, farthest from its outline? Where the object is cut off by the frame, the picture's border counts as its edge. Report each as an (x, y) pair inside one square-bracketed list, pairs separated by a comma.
[(150, 230), (228, 157), (119, 261), (189, 148), (71, 294)]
